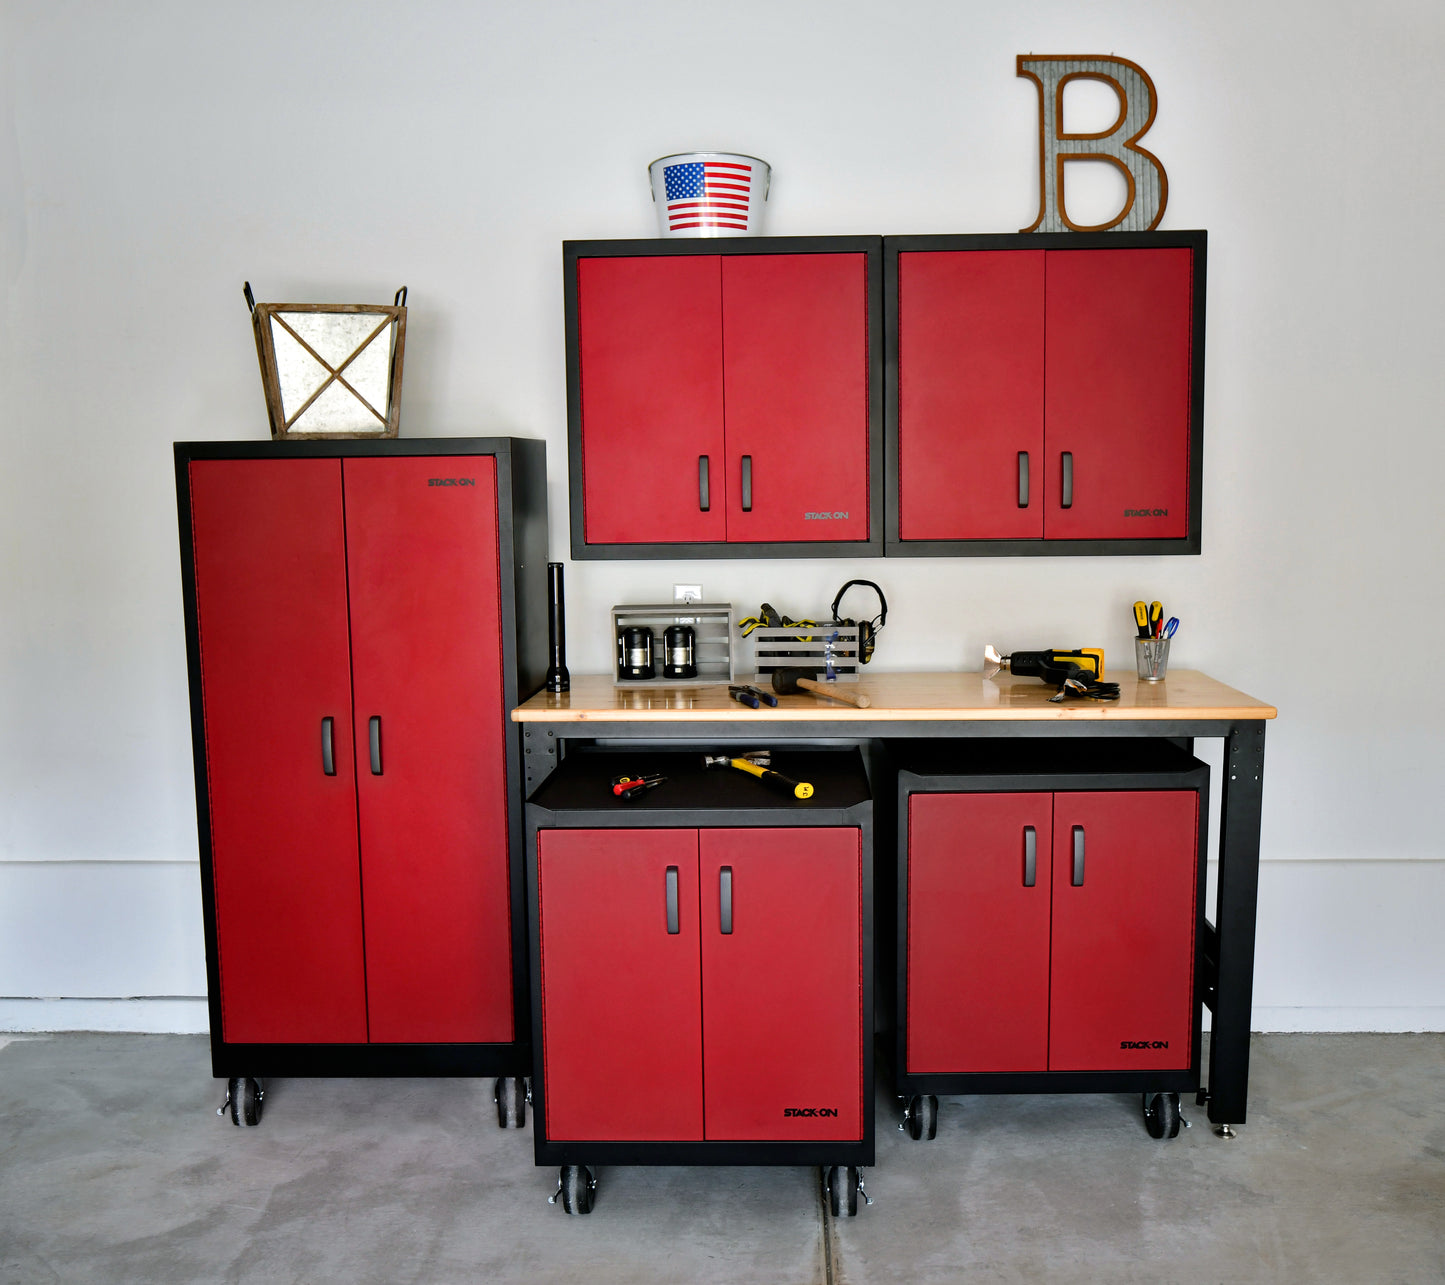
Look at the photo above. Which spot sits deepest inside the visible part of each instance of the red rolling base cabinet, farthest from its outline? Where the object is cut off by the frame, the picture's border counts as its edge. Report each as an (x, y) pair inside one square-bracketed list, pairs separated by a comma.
[(702, 968), (1050, 924), (360, 618)]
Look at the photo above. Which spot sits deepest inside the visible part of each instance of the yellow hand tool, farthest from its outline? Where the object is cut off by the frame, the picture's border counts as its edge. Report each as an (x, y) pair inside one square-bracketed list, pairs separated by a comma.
[(798, 789), (1141, 618)]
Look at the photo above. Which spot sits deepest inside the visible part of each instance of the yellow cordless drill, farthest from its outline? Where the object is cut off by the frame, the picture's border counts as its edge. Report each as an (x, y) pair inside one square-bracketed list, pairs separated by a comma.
[(1077, 671)]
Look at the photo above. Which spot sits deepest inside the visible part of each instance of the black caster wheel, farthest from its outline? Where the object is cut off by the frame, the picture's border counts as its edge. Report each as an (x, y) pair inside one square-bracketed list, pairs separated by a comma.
[(921, 1117), (511, 1095), (1161, 1114), (577, 1188), (842, 1184), (244, 1097)]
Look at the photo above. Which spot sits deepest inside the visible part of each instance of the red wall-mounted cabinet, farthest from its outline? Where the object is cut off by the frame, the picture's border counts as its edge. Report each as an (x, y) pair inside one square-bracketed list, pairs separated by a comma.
[(732, 1025), (725, 399), (1046, 393), (1051, 931), (354, 619)]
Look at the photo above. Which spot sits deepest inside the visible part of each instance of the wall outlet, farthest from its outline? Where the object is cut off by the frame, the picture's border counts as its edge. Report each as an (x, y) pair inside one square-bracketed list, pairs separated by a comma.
[(687, 593)]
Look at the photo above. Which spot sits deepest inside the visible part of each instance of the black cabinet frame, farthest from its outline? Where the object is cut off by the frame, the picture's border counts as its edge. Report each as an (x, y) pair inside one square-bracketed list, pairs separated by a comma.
[(522, 557), (731, 800), (872, 247), (1053, 772), (893, 246)]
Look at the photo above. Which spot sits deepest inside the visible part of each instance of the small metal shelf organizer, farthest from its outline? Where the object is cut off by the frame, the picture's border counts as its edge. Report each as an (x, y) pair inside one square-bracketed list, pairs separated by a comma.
[(808, 647), (712, 624)]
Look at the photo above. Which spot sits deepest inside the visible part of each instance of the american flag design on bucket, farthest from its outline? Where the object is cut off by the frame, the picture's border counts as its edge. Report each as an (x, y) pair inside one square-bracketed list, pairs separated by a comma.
[(708, 194)]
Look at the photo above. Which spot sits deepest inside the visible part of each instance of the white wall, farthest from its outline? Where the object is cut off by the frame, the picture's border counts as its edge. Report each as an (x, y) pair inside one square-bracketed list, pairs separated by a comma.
[(154, 156)]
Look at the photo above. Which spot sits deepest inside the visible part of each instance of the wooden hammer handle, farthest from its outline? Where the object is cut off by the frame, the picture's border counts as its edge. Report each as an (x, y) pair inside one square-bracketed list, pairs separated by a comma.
[(836, 692)]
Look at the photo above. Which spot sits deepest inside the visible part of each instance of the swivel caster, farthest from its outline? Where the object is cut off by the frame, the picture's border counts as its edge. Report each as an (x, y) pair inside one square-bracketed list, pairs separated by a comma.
[(1161, 1114), (577, 1186), (511, 1094), (920, 1117), (843, 1185), (244, 1097)]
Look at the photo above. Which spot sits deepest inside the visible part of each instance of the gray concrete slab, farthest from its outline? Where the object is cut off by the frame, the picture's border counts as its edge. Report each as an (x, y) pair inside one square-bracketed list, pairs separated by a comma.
[(1338, 1176), (115, 1168)]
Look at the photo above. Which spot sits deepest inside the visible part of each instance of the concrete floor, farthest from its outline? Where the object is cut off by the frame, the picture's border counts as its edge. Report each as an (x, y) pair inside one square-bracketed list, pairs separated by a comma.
[(114, 1167)]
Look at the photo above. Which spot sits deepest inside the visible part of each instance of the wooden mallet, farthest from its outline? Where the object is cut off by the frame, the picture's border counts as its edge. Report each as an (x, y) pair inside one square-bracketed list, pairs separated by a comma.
[(788, 682)]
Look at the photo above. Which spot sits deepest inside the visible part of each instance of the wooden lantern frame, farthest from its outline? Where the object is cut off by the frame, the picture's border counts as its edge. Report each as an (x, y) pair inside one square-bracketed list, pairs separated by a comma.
[(388, 419)]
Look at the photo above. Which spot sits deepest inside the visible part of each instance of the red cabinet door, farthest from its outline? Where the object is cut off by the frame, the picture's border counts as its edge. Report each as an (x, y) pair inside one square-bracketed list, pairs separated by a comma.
[(971, 395), (978, 931), (270, 566), (651, 362), (1117, 392), (782, 983), (1125, 868), (795, 372), (621, 995), (426, 634)]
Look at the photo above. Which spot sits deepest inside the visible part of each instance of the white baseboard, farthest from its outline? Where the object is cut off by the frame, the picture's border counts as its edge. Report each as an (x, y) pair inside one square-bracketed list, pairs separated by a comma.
[(1334, 1020), (153, 1015), (185, 1015)]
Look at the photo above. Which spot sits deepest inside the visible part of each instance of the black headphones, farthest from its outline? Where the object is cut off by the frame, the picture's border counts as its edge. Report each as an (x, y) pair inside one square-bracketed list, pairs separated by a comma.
[(867, 629)]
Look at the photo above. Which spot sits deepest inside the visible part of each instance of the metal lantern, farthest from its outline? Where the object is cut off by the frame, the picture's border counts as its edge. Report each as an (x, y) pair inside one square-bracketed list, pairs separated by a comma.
[(330, 369)]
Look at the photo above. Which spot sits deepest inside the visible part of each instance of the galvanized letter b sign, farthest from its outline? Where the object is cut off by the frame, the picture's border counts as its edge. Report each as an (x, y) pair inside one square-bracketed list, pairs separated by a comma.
[(1147, 183)]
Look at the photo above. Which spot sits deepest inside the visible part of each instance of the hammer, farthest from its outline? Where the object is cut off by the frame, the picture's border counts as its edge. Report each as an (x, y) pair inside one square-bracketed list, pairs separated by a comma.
[(787, 682), (798, 789)]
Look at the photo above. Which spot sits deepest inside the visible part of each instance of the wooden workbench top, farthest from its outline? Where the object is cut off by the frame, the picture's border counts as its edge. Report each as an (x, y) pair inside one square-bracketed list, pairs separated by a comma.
[(945, 697)]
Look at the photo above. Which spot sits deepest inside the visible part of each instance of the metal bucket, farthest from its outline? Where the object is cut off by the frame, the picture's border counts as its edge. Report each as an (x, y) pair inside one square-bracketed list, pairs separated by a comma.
[(702, 194)]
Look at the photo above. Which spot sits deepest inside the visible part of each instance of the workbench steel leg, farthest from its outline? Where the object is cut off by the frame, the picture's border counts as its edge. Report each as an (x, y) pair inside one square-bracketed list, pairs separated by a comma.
[(1237, 901), (539, 755)]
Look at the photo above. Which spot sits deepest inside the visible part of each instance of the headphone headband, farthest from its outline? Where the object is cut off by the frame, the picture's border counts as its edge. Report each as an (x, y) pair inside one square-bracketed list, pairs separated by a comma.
[(882, 601)]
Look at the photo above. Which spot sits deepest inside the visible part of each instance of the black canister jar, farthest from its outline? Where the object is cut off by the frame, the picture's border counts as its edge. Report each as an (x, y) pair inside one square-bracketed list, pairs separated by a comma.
[(634, 652), (679, 658)]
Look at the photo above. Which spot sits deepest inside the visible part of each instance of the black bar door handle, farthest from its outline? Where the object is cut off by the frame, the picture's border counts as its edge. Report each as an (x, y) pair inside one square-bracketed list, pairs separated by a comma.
[(374, 735), (673, 926), (1023, 479), (704, 500), (1078, 879), (725, 900), (328, 746), (747, 483), (1066, 498), (1031, 856)]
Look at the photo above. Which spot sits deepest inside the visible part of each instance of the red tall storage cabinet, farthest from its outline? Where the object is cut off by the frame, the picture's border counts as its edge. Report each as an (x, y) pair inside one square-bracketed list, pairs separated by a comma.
[(360, 618)]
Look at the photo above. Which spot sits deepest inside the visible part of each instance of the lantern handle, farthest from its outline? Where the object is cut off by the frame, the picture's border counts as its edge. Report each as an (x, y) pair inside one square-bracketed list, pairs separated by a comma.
[(400, 300), (250, 298)]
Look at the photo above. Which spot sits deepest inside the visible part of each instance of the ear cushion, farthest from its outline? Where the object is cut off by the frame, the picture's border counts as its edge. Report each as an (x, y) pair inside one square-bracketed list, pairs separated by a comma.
[(865, 642)]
